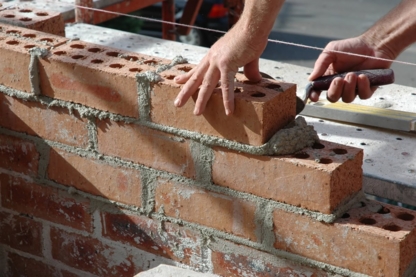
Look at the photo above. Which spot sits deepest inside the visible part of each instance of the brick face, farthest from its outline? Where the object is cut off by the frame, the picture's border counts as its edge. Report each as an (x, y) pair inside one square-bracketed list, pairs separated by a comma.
[(25, 267), (21, 233), (90, 255), (163, 239), (95, 177), (211, 209), (44, 202), (231, 260), (294, 179), (18, 155), (49, 123), (368, 239), (146, 146), (254, 121)]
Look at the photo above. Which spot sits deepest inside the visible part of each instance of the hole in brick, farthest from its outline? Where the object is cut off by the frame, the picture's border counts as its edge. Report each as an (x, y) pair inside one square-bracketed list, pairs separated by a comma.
[(25, 11), (406, 216), (116, 65), (77, 46), (368, 221), (9, 16), (112, 54), (392, 227), (13, 32), (318, 145), (131, 58), (94, 50), (25, 19), (41, 14), (325, 161), (29, 46), (149, 62), (383, 210), (301, 155), (97, 61), (363, 204), (340, 151), (185, 68), (60, 53), (77, 57), (258, 94), (346, 215), (135, 69), (170, 77), (46, 40), (274, 87), (12, 42), (237, 90), (29, 35)]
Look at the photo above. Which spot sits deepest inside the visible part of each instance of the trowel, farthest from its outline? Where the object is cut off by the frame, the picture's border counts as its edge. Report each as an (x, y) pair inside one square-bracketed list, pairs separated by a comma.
[(377, 77)]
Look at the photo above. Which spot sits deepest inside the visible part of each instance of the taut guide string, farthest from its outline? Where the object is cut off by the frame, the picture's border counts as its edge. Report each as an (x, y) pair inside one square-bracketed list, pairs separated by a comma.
[(222, 32)]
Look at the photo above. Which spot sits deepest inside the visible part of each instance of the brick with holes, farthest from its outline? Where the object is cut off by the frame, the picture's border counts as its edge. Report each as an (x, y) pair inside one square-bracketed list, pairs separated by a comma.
[(261, 109), (319, 178), (44, 21), (96, 76), (15, 44), (371, 238)]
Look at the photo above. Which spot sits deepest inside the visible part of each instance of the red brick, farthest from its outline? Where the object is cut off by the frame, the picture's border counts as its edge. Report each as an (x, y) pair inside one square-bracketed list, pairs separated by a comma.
[(90, 255), (21, 266), (18, 155), (45, 202), (40, 20), (53, 123), (174, 242), (95, 76), (260, 110), (368, 239), (32, 37), (95, 177), (297, 179), (21, 233), (211, 209), (145, 146), (231, 260)]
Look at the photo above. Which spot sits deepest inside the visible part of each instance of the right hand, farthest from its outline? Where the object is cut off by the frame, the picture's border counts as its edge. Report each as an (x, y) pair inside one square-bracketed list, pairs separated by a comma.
[(333, 63)]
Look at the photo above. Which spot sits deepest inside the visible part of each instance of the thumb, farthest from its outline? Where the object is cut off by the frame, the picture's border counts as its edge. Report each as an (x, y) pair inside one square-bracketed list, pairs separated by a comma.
[(324, 60), (252, 71)]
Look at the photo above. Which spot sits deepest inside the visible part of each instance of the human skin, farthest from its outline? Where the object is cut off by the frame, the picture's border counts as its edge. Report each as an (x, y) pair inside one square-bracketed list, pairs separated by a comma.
[(239, 47), (386, 39)]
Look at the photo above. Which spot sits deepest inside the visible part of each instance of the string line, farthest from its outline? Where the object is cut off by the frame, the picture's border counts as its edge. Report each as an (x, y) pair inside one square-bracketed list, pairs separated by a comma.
[(223, 32)]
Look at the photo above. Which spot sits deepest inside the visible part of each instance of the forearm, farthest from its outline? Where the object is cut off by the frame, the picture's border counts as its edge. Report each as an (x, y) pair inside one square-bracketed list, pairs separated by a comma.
[(395, 31), (259, 16)]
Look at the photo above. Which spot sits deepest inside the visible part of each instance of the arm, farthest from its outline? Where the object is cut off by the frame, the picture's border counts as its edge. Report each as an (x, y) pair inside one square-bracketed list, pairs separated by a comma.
[(240, 47), (387, 38)]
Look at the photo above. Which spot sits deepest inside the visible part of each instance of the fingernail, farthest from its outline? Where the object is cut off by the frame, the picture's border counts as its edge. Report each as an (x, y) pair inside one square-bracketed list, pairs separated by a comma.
[(177, 102), (176, 78), (196, 111)]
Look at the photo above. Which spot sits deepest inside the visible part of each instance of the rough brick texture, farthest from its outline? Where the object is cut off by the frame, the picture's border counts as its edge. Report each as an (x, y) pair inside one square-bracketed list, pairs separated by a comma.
[(374, 239), (164, 198), (260, 109), (296, 179), (44, 21)]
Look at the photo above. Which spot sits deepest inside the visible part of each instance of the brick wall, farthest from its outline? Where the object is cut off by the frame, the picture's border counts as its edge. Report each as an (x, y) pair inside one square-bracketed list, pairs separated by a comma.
[(101, 176)]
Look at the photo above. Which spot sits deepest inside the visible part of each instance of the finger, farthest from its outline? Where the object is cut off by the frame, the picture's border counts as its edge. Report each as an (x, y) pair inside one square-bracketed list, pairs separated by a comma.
[(350, 88), (227, 88), (363, 84), (335, 90), (181, 79), (191, 86), (324, 60), (252, 71), (314, 95), (209, 83)]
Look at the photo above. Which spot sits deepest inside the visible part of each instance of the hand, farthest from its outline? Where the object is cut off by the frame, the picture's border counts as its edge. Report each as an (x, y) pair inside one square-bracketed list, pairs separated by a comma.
[(332, 63), (235, 49)]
